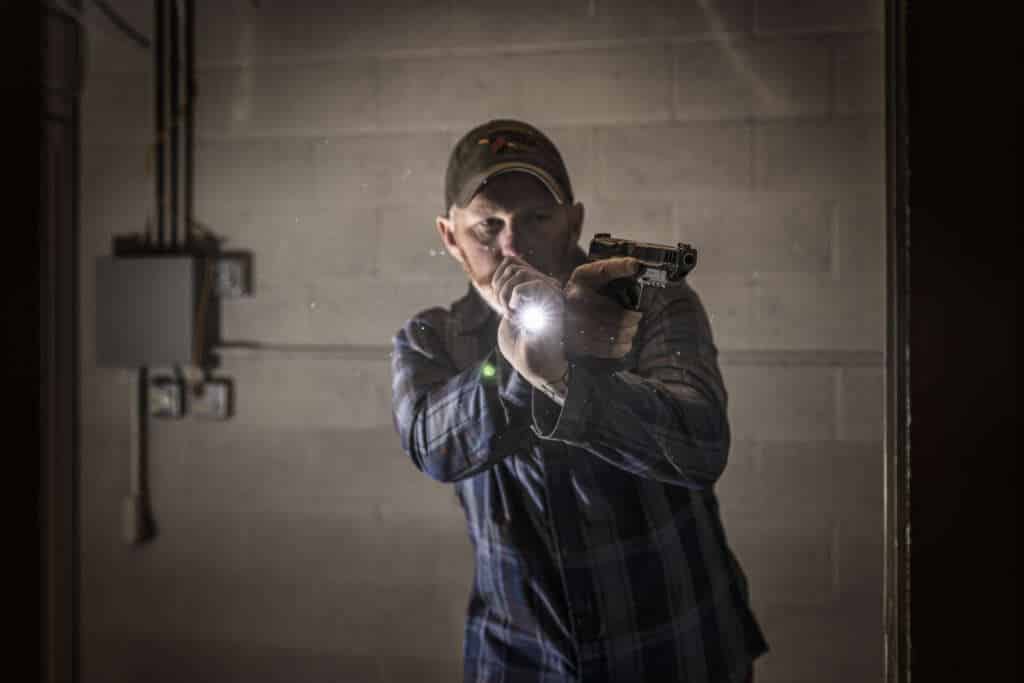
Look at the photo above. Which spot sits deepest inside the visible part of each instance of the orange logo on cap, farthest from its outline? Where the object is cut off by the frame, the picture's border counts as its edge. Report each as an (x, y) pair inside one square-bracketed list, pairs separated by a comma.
[(502, 143)]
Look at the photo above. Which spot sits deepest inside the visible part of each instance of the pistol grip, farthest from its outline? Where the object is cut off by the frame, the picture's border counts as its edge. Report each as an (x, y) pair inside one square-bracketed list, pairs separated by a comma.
[(625, 290)]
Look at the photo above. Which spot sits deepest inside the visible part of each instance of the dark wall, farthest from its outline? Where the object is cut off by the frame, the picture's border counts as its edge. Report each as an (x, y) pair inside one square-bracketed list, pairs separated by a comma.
[(965, 273)]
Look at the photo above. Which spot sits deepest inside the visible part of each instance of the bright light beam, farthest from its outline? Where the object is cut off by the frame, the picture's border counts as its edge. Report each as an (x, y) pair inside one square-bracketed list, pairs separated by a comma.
[(533, 318)]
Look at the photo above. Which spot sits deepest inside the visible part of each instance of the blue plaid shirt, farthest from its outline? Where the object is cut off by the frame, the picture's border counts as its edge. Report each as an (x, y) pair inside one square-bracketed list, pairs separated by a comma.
[(600, 552)]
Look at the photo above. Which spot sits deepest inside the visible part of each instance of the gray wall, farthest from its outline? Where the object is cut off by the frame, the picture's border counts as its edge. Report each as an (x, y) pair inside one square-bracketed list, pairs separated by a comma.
[(296, 541)]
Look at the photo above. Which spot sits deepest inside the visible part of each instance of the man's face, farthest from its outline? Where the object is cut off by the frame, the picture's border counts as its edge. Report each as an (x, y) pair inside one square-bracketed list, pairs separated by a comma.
[(514, 214)]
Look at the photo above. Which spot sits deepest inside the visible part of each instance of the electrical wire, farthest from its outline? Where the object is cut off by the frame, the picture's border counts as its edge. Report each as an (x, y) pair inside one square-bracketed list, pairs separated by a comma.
[(159, 16), (109, 12), (200, 319), (122, 24)]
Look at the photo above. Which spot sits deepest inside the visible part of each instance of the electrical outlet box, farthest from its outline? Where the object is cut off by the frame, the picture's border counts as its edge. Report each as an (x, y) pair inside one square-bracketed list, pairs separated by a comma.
[(145, 310), (166, 397), (212, 400), (233, 274)]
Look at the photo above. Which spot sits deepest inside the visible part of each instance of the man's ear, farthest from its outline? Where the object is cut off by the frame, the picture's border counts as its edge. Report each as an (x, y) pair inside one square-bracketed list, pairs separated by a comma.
[(575, 222), (446, 230)]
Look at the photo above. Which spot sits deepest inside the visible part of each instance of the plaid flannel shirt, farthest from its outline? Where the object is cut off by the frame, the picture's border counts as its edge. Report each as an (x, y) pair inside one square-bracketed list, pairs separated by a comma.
[(600, 552)]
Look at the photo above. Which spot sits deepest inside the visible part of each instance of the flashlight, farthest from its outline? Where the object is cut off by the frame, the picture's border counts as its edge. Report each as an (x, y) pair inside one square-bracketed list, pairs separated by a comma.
[(533, 318)]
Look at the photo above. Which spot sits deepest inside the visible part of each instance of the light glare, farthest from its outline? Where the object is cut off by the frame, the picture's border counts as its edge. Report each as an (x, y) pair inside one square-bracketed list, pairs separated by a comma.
[(533, 318)]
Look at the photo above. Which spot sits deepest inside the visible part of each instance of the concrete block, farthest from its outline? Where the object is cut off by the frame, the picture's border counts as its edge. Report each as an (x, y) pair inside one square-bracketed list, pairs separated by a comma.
[(739, 489), (861, 234), (859, 499), (861, 569), (860, 74), (792, 311), (797, 484), (295, 242), (660, 161), (275, 314), (403, 668), (821, 156), (489, 25), (255, 170), (730, 306), (765, 78), (643, 221), (117, 191), (577, 87), (239, 31), (117, 108), (346, 311), (290, 99), (786, 567), (239, 511), (382, 169), (102, 446), (814, 16), (829, 482), (300, 615), (769, 403), (822, 646), (410, 248), (311, 392), (862, 404), (757, 232), (810, 311), (127, 657), (687, 19), (297, 476), (576, 145)]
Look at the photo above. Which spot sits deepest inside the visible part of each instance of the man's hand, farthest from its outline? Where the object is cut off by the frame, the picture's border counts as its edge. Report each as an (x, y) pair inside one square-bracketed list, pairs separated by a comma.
[(597, 325), (531, 330)]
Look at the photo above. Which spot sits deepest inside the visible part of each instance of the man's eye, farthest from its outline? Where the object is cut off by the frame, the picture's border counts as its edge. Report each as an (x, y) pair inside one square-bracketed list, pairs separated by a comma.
[(488, 229)]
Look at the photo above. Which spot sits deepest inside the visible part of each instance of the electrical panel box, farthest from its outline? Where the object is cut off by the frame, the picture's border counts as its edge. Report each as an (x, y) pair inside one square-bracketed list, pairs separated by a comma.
[(145, 310)]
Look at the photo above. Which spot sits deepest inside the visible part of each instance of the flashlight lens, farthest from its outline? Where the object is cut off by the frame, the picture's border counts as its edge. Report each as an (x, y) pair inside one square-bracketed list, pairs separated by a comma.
[(533, 318)]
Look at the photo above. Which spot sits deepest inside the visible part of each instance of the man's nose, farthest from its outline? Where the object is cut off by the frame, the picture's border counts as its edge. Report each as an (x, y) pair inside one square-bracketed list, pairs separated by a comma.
[(515, 239), (512, 240)]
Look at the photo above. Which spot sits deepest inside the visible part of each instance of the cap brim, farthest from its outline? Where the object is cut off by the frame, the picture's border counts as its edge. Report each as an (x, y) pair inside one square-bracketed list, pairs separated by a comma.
[(474, 184)]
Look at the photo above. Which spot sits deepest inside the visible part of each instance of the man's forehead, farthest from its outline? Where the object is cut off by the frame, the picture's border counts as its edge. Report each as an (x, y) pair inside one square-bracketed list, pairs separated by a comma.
[(511, 191)]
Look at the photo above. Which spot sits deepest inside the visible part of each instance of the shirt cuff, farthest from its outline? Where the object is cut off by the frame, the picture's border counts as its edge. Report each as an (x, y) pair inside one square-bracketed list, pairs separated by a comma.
[(513, 389), (568, 421)]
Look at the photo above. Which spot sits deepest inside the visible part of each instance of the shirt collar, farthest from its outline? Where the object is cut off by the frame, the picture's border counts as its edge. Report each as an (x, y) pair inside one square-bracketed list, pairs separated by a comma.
[(471, 312)]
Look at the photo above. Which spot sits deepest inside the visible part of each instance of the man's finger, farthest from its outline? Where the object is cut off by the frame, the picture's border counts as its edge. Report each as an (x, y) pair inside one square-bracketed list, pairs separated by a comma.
[(599, 273), (532, 290), (505, 264), (508, 284)]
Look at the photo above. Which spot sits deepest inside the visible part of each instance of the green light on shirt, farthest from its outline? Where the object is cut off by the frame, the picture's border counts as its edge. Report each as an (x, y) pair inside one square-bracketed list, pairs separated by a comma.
[(488, 371)]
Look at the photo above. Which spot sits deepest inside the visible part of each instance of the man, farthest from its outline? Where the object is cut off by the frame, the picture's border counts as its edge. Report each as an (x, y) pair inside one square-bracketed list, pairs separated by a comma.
[(588, 489)]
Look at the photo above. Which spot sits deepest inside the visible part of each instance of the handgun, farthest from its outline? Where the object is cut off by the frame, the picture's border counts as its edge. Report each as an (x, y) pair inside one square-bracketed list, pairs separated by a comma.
[(660, 266)]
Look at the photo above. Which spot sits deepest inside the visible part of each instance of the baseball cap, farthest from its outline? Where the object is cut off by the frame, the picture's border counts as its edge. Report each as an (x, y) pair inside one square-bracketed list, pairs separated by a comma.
[(503, 146)]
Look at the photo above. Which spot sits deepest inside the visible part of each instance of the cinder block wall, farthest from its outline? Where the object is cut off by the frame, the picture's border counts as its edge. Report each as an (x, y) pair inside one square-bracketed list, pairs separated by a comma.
[(296, 542)]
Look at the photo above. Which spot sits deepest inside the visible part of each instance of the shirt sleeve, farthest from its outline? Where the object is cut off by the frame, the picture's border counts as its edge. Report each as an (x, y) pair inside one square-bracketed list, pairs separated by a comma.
[(665, 419), (454, 424)]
